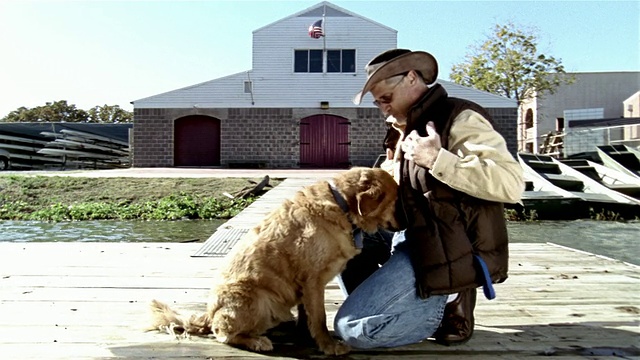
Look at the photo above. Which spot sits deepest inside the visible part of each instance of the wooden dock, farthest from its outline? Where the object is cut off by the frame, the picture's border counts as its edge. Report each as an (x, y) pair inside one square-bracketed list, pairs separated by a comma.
[(228, 234), (90, 301)]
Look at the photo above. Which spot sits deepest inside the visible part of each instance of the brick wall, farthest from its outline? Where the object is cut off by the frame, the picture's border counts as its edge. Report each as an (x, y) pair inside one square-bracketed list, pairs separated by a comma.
[(264, 135), (272, 136), (152, 138), (505, 121), (253, 135), (367, 134)]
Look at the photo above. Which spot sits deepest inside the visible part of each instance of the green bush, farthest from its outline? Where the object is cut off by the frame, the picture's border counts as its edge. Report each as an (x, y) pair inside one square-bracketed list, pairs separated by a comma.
[(56, 198), (174, 207), (14, 210)]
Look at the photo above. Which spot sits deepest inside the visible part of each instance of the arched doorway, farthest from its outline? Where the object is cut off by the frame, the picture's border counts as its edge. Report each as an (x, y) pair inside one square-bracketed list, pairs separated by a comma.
[(196, 141), (324, 142)]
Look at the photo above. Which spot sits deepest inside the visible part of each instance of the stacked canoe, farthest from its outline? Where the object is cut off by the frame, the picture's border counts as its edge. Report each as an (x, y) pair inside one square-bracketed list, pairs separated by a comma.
[(35, 146)]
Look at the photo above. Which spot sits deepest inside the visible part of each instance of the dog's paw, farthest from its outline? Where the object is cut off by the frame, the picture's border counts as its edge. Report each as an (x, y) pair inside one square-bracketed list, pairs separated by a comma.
[(336, 348), (259, 344)]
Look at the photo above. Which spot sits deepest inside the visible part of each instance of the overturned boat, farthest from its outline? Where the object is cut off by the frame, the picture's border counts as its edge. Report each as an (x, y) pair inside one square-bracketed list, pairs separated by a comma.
[(620, 157), (581, 195)]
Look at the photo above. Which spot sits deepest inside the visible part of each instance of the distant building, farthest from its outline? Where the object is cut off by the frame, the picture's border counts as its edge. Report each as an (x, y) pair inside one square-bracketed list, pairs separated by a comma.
[(598, 98), (293, 108), (583, 135)]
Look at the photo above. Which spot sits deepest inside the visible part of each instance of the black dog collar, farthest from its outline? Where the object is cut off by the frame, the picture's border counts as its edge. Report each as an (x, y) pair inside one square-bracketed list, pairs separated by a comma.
[(357, 232)]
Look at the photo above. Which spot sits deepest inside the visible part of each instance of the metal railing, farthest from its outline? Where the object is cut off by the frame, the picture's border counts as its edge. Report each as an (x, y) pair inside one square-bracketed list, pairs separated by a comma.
[(564, 143)]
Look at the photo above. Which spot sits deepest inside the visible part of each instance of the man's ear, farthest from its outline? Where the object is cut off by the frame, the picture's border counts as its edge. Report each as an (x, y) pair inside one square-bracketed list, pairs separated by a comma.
[(413, 76)]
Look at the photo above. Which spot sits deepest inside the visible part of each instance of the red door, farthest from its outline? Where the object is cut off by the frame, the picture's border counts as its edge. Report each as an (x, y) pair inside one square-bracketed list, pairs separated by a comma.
[(324, 142), (197, 141)]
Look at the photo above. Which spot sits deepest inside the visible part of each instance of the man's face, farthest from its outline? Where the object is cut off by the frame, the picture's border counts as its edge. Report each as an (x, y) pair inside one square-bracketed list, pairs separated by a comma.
[(395, 97)]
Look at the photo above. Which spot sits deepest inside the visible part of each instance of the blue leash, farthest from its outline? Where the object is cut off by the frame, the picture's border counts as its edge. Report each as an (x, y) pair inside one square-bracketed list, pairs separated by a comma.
[(487, 286)]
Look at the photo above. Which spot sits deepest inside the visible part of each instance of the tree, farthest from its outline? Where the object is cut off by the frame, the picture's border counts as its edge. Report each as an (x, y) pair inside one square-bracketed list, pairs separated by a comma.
[(109, 114), (57, 111), (60, 111), (21, 114), (508, 63)]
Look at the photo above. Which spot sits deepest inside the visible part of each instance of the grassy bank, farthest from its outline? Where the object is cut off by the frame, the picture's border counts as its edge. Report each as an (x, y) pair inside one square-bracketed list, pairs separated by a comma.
[(59, 198)]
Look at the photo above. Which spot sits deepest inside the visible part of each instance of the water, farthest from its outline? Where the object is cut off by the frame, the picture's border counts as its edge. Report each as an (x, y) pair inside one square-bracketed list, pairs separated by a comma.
[(613, 239), (109, 231)]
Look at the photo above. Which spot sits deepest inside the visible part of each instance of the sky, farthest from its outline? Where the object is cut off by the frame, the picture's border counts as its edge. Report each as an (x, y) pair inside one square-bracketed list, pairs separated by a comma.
[(92, 52)]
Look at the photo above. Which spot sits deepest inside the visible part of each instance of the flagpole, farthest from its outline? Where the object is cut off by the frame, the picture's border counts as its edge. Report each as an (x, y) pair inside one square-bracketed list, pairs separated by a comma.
[(324, 38)]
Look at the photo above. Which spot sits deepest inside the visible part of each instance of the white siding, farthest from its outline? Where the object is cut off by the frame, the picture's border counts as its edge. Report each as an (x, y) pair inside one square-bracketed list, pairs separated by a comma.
[(300, 91), (273, 46)]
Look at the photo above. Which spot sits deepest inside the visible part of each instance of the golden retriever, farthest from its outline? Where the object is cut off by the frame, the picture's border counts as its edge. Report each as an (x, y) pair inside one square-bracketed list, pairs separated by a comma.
[(288, 259)]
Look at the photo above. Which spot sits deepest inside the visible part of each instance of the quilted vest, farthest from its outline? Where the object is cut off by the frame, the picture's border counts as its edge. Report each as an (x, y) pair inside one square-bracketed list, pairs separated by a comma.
[(446, 227)]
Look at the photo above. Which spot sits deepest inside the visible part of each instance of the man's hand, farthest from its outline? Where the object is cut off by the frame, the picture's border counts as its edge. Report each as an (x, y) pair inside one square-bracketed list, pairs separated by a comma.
[(422, 150)]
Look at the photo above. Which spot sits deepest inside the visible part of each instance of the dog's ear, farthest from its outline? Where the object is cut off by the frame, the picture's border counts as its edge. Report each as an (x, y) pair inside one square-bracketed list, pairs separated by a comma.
[(369, 200)]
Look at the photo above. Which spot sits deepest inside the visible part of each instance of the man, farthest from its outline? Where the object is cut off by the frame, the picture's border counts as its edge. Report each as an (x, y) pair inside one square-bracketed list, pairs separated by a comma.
[(454, 173)]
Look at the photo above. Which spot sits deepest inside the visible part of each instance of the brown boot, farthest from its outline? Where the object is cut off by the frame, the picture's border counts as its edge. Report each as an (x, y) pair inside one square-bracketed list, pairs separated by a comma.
[(457, 324)]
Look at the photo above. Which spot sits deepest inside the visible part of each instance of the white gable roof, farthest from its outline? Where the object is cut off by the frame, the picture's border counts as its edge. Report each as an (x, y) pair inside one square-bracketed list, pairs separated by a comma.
[(327, 9), (486, 99), (208, 94)]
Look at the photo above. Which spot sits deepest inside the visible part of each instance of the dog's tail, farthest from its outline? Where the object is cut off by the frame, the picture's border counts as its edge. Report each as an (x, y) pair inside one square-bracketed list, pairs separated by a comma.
[(166, 319)]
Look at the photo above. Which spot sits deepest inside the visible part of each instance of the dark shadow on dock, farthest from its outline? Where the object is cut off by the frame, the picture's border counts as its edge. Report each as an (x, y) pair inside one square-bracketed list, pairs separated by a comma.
[(587, 339)]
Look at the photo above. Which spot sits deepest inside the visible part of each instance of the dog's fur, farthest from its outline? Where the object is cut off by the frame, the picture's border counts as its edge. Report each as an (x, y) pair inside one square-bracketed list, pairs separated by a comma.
[(288, 259)]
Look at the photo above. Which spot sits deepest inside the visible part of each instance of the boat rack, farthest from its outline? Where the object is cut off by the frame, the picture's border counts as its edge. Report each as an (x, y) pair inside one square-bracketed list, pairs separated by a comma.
[(66, 146)]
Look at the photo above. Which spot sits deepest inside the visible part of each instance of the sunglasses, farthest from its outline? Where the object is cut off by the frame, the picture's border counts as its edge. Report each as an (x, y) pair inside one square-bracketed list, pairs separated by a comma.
[(388, 98)]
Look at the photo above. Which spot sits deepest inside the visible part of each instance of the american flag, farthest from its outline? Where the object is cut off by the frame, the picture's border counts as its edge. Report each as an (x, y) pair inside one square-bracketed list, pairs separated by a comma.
[(315, 30)]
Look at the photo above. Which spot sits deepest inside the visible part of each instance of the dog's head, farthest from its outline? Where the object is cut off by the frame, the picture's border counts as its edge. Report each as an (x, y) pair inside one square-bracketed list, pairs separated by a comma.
[(371, 194)]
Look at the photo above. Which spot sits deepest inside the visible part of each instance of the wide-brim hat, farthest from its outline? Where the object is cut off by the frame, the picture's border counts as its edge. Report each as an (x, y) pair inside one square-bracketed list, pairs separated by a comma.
[(398, 61)]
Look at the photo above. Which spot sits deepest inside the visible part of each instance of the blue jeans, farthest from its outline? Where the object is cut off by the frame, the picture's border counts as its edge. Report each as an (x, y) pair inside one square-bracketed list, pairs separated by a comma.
[(385, 310)]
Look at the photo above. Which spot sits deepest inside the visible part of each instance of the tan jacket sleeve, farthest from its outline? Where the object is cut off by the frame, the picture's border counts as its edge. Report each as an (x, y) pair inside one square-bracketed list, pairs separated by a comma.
[(478, 162)]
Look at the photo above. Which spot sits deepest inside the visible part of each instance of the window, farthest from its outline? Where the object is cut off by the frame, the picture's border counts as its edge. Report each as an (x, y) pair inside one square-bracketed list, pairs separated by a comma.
[(341, 61), (528, 120), (308, 61), (248, 87), (315, 61), (338, 61), (333, 61), (529, 148)]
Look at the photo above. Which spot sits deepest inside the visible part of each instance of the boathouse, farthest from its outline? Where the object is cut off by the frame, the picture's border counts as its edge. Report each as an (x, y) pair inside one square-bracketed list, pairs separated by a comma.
[(293, 108)]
